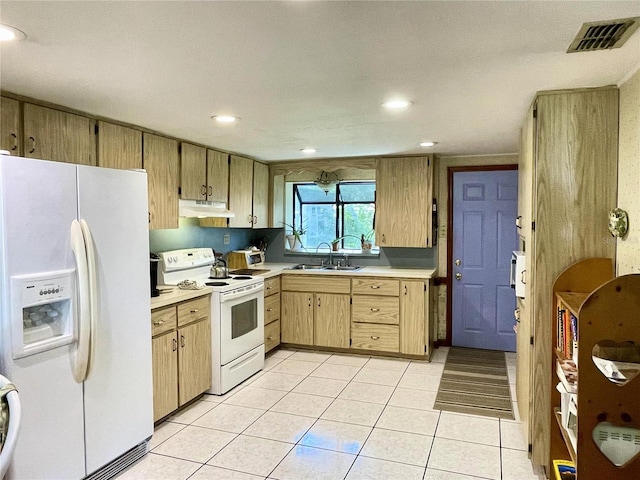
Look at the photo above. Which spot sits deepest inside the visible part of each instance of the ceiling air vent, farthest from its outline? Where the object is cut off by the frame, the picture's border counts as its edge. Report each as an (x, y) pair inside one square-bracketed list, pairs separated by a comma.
[(604, 35)]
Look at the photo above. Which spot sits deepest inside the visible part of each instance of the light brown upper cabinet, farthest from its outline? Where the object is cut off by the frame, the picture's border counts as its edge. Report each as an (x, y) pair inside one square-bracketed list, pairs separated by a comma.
[(160, 160), (248, 193), (119, 147), (260, 195), (403, 202), (10, 125), (204, 174), (55, 135)]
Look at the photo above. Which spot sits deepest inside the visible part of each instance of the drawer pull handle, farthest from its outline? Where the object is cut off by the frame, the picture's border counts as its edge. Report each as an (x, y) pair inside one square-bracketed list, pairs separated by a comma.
[(269, 338), (158, 322), (269, 288), (375, 286), (195, 310), (375, 309), (175, 345), (182, 341), (269, 309), (374, 337)]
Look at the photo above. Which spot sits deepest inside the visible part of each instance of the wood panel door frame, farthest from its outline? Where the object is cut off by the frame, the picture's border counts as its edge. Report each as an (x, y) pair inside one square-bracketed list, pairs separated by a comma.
[(450, 171)]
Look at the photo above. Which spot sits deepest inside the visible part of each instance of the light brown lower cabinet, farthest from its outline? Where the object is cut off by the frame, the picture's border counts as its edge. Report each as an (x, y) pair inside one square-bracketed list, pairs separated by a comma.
[(271, 313), (181, 349)]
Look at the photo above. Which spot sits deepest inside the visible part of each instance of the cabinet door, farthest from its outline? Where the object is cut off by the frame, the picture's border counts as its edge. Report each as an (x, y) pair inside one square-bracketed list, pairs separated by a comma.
[(241, 191), (332, 320), (10, 125), (413, 317), (260, 195), (193, 172), (403, 202), (217, 176), (54, 135), (119, 147), (296, 318), (194, 359), (165, 374), (160, 160)]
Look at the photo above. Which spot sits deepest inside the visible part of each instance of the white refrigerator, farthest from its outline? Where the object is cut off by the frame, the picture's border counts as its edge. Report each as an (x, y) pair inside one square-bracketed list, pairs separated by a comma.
[(75, 328)]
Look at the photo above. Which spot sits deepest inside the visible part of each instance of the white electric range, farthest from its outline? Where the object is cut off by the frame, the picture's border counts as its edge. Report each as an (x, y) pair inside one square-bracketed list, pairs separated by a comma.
[(237, 314)]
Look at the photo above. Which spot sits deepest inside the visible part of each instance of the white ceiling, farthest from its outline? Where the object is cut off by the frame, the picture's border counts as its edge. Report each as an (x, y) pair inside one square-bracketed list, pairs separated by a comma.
[(306, 73)]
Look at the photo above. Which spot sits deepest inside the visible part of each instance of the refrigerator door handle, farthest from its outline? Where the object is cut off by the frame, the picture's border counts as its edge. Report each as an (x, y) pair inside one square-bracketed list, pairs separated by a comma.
[(80, 354), (93, 291)]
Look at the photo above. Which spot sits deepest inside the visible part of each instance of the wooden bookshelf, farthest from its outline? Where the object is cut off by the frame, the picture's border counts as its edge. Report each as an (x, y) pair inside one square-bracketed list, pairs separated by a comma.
[(606, 309)]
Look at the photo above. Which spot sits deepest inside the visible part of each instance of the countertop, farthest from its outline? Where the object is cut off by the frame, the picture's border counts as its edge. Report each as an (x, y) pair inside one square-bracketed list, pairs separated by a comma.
[(368, 271), (176, 295)]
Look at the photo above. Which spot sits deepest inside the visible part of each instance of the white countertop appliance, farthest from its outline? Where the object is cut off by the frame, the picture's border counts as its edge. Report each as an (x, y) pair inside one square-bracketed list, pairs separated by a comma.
[(237, 315), (75, 326)]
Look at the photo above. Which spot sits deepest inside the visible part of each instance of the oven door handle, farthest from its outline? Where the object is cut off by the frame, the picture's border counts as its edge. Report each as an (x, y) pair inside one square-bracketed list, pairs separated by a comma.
[(225, 297)]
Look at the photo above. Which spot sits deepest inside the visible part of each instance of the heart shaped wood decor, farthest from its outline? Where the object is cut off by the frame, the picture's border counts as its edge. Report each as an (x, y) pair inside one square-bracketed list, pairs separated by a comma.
[(619, 362), (619, 444)]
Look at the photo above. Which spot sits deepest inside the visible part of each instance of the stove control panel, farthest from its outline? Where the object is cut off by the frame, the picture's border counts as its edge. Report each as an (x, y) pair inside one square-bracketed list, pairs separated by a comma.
[(186, 258)]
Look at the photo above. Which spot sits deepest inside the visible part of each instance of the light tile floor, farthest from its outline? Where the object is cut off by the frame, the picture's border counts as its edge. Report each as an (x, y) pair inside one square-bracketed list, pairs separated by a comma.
[(314, 415)]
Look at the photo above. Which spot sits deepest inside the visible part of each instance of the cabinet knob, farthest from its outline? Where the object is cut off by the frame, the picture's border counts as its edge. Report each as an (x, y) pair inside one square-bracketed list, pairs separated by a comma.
[(373, 337), (375, 287), (158, 322), (375, 309), (195, 310)]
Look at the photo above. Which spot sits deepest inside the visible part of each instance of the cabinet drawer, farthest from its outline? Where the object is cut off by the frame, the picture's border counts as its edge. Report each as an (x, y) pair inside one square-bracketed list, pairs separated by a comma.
[(316, 283), (271, 335), (271, 286), (271, 308), (375, 286), (193, 310), (163, 320), (375, 309), (369, 336)]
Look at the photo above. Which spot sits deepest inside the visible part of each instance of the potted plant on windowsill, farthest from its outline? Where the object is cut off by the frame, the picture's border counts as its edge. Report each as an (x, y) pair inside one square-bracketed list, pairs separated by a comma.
[(366, 241), (294, 238)]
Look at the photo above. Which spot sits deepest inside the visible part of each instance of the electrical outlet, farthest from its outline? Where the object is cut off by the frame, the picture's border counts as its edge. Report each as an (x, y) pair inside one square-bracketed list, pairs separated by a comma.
[(227, 239)]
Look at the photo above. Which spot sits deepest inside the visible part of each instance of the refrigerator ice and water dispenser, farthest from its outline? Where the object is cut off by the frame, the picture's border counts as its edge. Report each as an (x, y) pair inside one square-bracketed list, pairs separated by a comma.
[(42, 312)]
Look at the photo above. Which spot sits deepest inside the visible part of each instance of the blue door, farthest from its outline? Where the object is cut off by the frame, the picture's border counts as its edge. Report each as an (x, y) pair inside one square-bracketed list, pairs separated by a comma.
[(485, 205)]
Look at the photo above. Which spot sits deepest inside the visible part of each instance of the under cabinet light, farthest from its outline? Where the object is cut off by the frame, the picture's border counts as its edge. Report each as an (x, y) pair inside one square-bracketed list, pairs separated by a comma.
[(427, 144), (225, 118), (8, 33)]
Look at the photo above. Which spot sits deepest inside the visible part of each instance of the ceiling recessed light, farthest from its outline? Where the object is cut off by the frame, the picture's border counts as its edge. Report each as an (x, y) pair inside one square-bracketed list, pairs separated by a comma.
[(397, 104), (427, 144), (308, 150), (8, 33), (225, 118)]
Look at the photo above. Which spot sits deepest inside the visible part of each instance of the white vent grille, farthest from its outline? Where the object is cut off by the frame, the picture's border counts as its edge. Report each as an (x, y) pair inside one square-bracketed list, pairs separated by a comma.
[(604, 35)]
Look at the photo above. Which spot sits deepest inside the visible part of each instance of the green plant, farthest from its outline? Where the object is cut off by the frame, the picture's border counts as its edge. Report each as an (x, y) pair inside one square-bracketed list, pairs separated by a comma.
[(367, 237), (296, 232)]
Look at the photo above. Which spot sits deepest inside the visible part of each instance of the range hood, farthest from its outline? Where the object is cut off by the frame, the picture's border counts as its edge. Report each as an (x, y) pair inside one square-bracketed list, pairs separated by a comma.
[(203, 209)]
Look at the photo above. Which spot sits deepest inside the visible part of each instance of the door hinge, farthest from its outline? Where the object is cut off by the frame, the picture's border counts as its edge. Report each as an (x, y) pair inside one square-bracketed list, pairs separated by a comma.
[(180, 148), (351, 301), (530, 448), (425, 289), (531, 340), (95, 129), (533, 226), (425, 349), (350, 342), (535, 112), (179, 190)]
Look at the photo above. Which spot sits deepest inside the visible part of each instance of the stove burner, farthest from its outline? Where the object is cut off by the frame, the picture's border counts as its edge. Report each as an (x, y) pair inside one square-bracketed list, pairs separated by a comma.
[(221, 278), (243, 277), (216, 284)]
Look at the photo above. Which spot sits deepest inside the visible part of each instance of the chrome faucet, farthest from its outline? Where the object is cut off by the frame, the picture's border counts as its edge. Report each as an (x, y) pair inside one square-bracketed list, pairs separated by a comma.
[(330, 252)]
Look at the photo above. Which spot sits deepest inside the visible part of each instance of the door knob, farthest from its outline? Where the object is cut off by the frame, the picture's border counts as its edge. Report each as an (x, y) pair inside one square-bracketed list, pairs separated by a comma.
[(457, 262), (458, 276)]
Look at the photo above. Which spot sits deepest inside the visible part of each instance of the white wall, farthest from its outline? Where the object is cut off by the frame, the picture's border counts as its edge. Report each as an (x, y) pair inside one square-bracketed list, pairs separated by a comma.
[(628, 248)]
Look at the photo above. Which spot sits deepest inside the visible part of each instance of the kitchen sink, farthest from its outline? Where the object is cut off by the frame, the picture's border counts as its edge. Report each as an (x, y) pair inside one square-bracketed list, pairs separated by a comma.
[(313, 266), (306, 266), (351, 268)]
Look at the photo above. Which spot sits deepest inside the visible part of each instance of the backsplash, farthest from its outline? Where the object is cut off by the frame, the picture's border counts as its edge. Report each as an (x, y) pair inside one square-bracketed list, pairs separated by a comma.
[(191, 234)]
